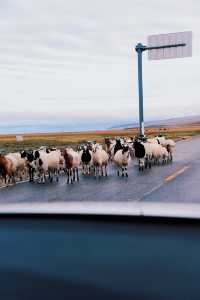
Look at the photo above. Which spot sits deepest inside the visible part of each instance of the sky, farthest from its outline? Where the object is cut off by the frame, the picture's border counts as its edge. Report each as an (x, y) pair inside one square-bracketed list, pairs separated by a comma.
[(74, 61)]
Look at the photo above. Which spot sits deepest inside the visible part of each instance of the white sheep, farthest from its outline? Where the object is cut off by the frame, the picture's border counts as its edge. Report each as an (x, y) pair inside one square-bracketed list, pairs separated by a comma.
[(165, 155), (122, 159), (47, 163), (72, 163), (19, 167), (169, 144), (152, 152), (100, 160), (147, 160), (159, 153)]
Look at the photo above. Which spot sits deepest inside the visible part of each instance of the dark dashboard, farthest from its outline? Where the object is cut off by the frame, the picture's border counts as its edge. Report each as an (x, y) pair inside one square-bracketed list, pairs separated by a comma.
[(98, 257)]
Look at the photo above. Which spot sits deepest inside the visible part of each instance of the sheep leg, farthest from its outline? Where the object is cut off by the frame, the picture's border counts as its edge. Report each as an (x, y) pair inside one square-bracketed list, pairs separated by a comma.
[(13, 178), (106, 171), (126, 172), (8, 179), (74, 175), (68, 176), (71, 176), (122, 172), (44, 177), (67, 173), (51, 177), (40, 177), (30, 174), (140, 165), (57, 175), (101, 169), (146, 163), (96, 171), (5, 178), (20, 175), (77, 175)]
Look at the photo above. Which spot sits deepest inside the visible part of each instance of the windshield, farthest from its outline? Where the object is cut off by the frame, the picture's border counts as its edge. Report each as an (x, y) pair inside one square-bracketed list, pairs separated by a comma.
[(99, 103)]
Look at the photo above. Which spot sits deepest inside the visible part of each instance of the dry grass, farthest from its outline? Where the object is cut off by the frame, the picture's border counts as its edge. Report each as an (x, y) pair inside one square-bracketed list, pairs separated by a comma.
[(32, 140)]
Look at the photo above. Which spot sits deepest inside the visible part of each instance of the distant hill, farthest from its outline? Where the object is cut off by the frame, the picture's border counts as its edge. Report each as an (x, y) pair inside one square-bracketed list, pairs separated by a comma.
[(165, 122)]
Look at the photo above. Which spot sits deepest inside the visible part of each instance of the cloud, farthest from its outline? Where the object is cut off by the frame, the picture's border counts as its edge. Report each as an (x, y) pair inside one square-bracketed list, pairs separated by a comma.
[(79, 57)]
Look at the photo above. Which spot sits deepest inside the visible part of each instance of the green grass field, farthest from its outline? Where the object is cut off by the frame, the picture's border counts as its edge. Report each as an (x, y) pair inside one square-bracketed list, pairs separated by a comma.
[(32, 141)]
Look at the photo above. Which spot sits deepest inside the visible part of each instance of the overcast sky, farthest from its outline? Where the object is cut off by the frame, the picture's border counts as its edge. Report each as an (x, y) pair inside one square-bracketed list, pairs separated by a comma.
[(76, 59)]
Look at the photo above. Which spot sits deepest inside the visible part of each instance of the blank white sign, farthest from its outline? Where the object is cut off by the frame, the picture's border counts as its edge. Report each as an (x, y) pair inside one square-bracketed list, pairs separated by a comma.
[(170, 39), (19, 138)]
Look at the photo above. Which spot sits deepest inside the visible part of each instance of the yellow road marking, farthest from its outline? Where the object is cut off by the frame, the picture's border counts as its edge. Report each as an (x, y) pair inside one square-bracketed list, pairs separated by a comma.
[(175, 174)]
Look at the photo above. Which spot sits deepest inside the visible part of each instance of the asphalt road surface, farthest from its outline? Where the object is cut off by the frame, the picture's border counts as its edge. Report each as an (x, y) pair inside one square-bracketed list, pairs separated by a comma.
[(179, 182)]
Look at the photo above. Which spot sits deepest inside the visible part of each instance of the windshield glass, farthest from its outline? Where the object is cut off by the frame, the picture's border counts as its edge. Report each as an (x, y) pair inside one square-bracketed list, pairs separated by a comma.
[(99, 102)]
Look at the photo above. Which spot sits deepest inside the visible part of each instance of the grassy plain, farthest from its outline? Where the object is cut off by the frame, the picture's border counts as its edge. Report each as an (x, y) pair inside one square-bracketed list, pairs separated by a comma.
[(34, 140)]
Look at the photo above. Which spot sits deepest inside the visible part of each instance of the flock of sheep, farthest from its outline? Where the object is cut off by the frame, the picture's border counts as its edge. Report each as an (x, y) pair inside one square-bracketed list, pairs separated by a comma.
[(92, 158)]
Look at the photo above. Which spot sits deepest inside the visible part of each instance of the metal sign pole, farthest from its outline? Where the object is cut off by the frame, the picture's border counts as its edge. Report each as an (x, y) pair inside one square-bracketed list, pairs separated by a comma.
[(139, 49), (156, 43)]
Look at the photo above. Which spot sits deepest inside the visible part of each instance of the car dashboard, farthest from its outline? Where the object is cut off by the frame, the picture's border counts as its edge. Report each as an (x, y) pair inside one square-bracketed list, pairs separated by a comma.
[(98, 257)]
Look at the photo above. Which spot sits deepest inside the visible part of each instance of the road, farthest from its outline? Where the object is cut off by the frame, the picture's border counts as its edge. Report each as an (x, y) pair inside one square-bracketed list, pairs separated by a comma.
[(178, 182)]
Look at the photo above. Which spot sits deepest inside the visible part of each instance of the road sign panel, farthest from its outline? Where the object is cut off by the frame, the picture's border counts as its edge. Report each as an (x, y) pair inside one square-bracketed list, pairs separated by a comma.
[(172, 39)]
